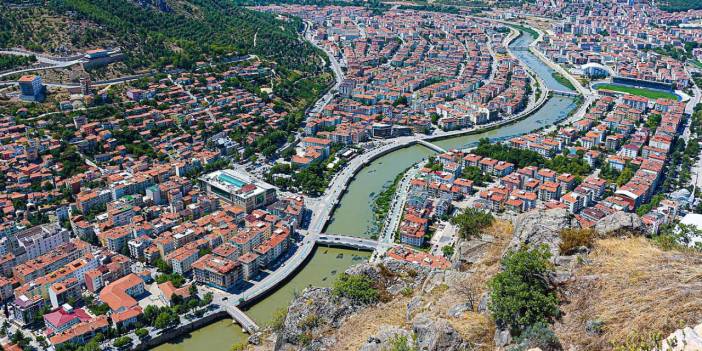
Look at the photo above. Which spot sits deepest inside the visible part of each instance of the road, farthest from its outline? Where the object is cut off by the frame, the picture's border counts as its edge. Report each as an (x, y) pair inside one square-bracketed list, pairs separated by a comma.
[(336, 69), (392, 221), (190, 94), (44, 115), (95, 84), (46, 62), (694, 99)]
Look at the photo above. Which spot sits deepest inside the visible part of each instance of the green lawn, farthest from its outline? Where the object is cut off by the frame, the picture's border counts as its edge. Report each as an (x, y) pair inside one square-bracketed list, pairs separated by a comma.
[(647, 93), (697, 63), (563, 80), (526, 29)]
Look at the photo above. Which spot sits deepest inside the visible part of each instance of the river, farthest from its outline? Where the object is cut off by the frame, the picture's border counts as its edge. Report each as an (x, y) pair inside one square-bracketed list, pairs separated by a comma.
[(354, 216)]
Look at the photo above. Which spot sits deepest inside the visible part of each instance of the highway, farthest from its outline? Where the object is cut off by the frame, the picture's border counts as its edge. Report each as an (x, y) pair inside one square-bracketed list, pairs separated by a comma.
[(95, 84)]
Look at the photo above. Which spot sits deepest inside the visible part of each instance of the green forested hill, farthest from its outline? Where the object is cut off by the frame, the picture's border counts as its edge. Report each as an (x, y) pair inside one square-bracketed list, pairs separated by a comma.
[(193, 30)]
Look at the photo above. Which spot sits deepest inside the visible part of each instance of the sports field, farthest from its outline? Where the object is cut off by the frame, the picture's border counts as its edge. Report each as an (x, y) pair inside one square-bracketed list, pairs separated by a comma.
[(647, 93)]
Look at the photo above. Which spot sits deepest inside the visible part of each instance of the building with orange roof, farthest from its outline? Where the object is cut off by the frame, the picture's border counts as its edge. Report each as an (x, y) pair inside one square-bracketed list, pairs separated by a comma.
[(549, 190), (249, 265), (120, 294), (82, 332), (126, 318), (168, 290), (217, 271), (31, 88), (417, 257), (182, 258)]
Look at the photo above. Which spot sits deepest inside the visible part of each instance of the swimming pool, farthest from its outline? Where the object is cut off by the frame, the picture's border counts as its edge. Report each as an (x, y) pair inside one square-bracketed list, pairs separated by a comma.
[(231, 180)]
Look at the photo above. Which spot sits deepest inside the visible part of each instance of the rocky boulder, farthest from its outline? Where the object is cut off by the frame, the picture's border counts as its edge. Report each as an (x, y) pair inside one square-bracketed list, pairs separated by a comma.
[(384, 339), (436, 334), (686, 339), (468, 252), (318, 310), (541, 227), (313, 310), (619, 222)]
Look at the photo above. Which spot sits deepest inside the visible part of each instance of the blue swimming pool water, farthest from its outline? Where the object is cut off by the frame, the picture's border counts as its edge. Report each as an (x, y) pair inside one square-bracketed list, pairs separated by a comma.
[(231, 180)]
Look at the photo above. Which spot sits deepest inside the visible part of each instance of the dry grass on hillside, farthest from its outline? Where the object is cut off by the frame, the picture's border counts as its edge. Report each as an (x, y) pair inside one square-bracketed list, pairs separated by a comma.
[(473, 326), (356, 329), (490, 265), (635, 289)]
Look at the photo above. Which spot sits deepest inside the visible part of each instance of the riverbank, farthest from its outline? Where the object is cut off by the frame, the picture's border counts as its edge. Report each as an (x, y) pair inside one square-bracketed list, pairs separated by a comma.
[(321, 269), (562, 80), (381, 204)]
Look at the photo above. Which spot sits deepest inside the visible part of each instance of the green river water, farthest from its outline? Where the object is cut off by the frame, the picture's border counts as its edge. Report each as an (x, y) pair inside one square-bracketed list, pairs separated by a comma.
[(320, 271)]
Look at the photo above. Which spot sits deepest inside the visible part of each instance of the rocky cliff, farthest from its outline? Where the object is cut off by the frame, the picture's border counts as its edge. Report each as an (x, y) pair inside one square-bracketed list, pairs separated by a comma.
[(619, 289)]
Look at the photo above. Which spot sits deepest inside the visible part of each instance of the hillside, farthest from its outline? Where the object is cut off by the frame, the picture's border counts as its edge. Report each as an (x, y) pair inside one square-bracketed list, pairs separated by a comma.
[(156, 34), (633, 291), (615, 291)]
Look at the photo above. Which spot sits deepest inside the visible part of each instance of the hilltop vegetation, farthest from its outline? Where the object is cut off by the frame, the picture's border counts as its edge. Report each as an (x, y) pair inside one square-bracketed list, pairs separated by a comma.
[(12, 61), (151, 37), (202, 29)]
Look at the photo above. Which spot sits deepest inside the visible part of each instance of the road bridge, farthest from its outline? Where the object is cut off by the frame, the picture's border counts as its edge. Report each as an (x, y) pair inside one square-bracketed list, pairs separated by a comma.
[(434, 147), (347, 241), (243, 319), (565, 93)]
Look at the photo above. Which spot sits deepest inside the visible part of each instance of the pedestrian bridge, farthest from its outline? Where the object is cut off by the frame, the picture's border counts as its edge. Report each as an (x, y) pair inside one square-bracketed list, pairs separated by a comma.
[(243, 319), (565, 93), (434, 147), (347, 241)]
